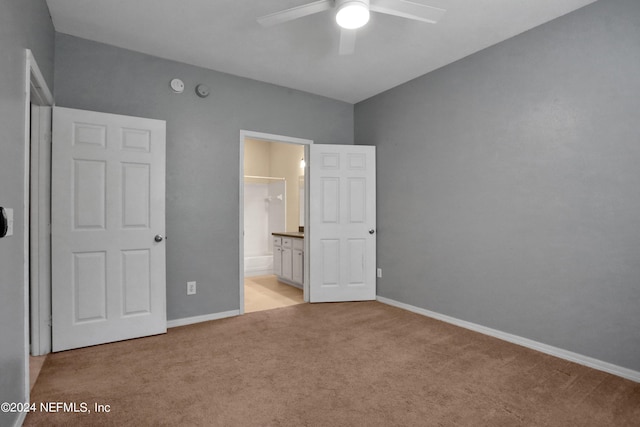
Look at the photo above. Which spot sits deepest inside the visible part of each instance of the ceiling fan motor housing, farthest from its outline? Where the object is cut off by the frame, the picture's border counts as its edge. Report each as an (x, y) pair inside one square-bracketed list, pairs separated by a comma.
[(352, 14)]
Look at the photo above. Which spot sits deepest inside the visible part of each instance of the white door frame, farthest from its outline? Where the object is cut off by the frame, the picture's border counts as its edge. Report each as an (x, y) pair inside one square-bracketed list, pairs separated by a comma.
[(40, 230), (271, 138), (37, 91)]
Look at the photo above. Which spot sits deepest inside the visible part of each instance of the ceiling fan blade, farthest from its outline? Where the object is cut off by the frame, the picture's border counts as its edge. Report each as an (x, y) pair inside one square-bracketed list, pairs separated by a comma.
[(295, 13), (347, 41), (407, 9)]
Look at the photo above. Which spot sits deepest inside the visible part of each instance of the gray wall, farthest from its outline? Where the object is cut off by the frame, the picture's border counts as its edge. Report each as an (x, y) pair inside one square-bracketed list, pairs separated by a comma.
[(509, 185), (22, 25), (202, 150)]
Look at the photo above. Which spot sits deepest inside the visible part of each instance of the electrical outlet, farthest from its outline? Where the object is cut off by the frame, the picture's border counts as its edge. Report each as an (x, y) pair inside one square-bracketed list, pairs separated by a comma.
[(191, 288), (379, 273)]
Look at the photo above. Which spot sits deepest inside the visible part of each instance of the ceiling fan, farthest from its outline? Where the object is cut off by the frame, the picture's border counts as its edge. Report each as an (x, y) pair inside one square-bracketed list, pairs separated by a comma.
[(353, 14)]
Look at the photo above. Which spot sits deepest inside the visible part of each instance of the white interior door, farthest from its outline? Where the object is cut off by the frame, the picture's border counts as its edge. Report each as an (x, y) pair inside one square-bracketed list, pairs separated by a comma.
[(108, 205), (342, 240)]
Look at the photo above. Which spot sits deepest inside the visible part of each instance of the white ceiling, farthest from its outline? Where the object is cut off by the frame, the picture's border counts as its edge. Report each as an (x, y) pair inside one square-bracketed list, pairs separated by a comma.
[(223, 35)]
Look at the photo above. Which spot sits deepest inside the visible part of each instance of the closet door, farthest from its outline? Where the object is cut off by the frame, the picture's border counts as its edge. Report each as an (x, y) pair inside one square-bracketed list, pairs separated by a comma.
[(108, 219)]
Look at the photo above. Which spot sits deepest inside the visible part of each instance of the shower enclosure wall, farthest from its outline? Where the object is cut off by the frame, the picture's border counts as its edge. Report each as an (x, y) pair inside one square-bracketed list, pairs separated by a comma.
[(264, 213)]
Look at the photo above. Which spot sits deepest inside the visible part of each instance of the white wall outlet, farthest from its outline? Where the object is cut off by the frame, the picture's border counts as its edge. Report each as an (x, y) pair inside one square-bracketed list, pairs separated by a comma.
[(191, 288), (379, 273)]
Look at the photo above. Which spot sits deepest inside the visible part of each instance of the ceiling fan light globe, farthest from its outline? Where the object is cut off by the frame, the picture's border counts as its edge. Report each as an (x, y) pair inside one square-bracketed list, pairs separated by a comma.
[(352, 15)]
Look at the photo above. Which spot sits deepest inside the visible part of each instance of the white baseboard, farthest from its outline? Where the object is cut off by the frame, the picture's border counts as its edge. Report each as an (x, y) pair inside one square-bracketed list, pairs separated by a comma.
[(289, 282), (525, 342), (204, 318), (20, 420)]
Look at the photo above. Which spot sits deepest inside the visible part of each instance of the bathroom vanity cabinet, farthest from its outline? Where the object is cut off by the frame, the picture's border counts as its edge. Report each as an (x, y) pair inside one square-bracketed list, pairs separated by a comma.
[(288, 257)]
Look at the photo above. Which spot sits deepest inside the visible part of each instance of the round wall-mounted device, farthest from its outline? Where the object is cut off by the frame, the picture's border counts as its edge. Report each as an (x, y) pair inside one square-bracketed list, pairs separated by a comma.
[(177, 85), (202, 91)]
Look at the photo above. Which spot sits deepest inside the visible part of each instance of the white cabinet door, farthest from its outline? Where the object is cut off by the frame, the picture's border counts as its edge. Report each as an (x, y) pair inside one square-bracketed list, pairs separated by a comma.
[(296, 266), (108, 204), (277, 260), (287, 271), (342, 241)]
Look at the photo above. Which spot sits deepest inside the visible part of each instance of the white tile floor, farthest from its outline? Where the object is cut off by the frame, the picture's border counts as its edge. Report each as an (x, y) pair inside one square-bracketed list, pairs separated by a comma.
[(265, 293)]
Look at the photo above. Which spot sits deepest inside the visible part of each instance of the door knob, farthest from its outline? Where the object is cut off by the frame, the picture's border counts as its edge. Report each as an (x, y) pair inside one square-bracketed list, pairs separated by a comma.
[(158, 238), (371, 231)]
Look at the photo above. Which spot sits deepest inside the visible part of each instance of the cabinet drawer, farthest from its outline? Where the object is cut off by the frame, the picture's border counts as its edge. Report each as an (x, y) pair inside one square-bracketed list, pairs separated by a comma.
[(286, 242), (277, 241), (298, 244)]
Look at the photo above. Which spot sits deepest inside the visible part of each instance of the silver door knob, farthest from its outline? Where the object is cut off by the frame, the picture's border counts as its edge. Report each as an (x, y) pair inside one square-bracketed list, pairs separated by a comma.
[(371, 231), (158, 238)]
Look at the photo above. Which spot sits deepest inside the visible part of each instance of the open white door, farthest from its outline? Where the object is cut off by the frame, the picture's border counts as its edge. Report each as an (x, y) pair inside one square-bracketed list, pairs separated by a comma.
[(108, 219), (342, 240)]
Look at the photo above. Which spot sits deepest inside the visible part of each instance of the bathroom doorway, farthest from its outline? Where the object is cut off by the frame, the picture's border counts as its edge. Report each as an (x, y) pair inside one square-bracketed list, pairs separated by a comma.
[(272, 189)]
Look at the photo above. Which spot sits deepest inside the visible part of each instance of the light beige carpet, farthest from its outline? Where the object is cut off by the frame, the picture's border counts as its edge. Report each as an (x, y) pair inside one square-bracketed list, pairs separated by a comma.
[(341, 364)]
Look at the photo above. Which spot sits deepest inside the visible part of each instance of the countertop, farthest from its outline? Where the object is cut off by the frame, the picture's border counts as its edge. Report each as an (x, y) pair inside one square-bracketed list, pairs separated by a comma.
[(295, 234)]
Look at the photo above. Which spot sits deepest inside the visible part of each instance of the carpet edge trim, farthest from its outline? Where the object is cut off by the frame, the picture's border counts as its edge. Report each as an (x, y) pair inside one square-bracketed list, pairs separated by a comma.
[(580, 359), (204, 318)]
